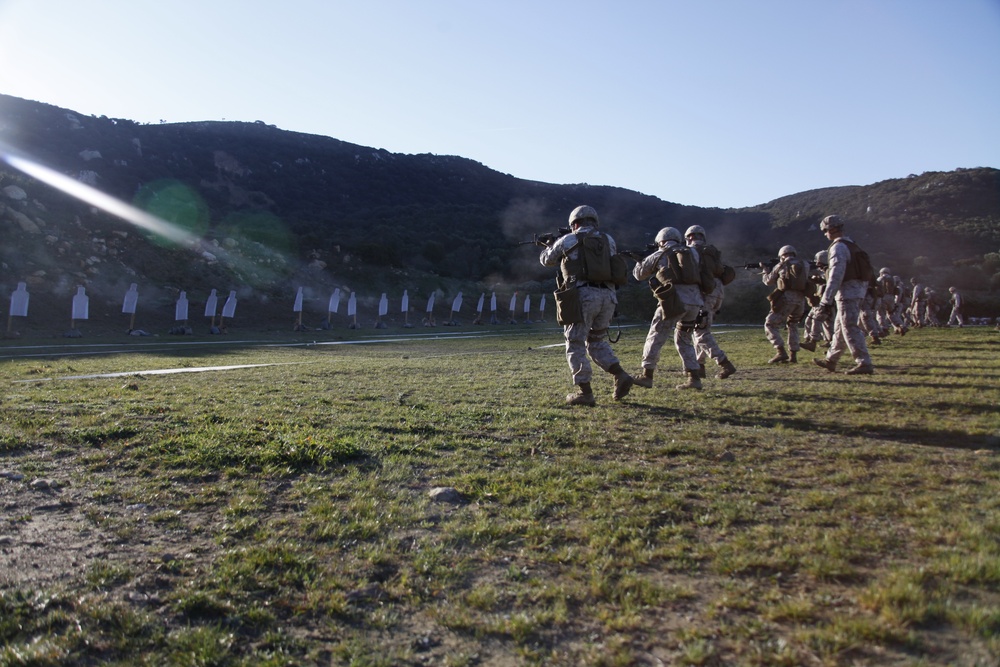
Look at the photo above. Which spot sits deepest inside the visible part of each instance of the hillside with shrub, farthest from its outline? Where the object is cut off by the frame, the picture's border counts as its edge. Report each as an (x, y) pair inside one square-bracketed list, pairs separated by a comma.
[(273, 209)]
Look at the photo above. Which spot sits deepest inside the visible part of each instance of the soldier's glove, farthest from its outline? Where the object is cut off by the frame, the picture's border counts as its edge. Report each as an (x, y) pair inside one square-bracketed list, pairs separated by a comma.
[(545, 240), (822, 313)]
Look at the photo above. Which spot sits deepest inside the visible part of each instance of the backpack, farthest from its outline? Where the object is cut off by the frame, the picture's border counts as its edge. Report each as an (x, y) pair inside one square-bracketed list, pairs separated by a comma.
[(680, 267), (860, 266), (794, 276), (597, 264)]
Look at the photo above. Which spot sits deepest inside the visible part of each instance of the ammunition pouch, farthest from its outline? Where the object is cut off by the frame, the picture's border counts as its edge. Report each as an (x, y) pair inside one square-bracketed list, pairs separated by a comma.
[(777, 299), (568, 307), (670, 301), (728, 274)]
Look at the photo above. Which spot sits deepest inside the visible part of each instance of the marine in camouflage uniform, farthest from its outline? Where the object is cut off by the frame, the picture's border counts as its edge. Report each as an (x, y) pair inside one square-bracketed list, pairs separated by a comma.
[(888, 309), (791, 277), (956, 318), (848, 288), (587, 338), (918, 303), (816, 330), (903, 295), (705, 344), (675, 275)]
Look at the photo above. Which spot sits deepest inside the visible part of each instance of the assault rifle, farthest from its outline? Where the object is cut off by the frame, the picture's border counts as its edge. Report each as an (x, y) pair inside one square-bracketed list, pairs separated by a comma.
[(639, 255), (767, 266), (546, 239)]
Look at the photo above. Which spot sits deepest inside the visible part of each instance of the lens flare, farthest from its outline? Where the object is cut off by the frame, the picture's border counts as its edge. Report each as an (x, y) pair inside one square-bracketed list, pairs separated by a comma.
[(177, 204), (147, 221)]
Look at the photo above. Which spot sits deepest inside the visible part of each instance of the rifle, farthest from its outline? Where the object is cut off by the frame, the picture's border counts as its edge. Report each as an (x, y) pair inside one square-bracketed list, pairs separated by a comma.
[(639, 255), (546, 239), (767, 266)]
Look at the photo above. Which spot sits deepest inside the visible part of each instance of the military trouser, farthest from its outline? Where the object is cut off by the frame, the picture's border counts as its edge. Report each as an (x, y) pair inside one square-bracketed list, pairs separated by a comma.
[(681, 328), (790, 310), (847, 333), (704, 342), (589, 338)]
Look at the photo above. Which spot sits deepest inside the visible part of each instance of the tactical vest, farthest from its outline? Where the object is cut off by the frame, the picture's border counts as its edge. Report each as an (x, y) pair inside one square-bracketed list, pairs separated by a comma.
[(859, 267), (681, 267), (712, 258), (594, 262), (793, 276)]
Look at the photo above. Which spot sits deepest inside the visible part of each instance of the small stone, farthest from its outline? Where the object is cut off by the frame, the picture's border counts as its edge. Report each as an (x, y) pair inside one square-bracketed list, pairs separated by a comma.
[(727, 456), (445, 494)]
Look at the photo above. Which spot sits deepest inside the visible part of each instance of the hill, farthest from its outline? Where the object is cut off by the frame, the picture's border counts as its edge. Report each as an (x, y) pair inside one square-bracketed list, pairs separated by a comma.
[(273, 209)]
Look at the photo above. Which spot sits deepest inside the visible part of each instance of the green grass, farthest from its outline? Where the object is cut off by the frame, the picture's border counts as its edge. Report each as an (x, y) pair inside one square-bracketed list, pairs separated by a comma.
[(280, 515)]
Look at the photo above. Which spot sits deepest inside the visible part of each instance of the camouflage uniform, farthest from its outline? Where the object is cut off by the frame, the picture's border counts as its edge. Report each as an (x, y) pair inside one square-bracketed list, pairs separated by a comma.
[(816, 329), (788, 303), (658, 268), (704, 341), (597, 304), (918, 304), (956, 318), (885, 305), (848, 290)]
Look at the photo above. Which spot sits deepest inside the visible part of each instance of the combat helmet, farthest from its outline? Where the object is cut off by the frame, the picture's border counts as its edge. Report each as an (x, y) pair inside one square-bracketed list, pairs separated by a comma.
[(695, 230), (668, 234), (787, 250), (583, 213), (831, 222)]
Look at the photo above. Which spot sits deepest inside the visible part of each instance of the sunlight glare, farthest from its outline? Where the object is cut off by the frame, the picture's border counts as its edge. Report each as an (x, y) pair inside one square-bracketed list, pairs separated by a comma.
[(95, 197)]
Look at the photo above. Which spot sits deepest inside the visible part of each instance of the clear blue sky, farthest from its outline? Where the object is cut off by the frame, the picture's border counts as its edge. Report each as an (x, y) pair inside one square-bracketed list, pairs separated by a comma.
[(712, 103)]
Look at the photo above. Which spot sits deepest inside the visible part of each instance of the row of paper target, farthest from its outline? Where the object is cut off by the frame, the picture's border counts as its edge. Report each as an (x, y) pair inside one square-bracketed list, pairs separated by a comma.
[(81, 304)]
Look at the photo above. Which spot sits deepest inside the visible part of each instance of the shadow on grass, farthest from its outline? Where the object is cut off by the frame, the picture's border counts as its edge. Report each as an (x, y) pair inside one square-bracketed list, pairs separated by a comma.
[(947, 438), (830, 407)]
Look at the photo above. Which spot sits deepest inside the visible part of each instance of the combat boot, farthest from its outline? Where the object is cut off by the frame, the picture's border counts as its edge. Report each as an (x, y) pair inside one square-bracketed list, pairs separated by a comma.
[(727, 369), (876, 340), (644, 379), (623, 382), (861, 369), (793, 357), (780, 357), (808, 345), (584, 395), (827, 364), (693, 381)]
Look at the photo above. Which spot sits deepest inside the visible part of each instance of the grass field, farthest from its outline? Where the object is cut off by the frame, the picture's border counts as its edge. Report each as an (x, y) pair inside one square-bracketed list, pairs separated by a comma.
[(281, 514)]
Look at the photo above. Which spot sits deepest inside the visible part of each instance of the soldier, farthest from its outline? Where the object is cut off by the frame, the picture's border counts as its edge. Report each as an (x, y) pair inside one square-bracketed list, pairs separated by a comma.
[(888, 308), (596, 306), (957, 318), (816, 330), (935, 303), (869, 315), (704, 342), (791, 277), (903, 297), (846, 281), (675, 275), (918, 304)]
